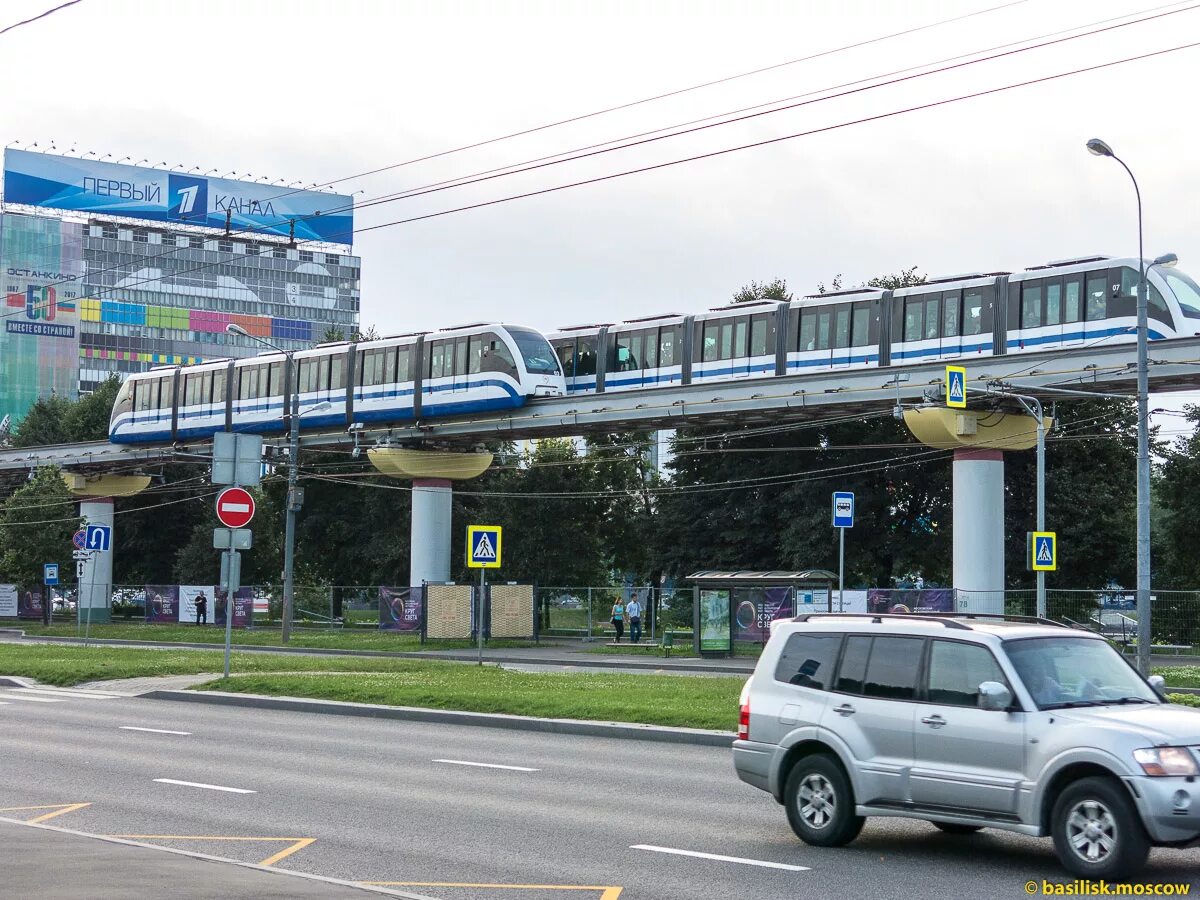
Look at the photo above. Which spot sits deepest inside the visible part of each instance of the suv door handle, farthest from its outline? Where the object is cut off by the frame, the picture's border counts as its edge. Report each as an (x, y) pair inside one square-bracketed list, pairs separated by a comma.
[(844, 710), (935, 721)]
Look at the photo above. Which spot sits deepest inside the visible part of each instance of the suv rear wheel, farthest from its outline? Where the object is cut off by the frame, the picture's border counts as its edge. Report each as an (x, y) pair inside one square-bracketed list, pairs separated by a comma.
[(1097, 832), (820, 803)]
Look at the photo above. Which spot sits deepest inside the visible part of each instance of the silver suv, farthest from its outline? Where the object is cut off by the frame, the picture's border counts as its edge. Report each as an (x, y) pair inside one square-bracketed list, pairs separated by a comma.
[(970, 722)]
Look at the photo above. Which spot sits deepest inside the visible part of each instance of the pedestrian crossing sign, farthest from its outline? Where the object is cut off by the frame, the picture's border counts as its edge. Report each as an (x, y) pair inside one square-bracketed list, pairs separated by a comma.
[(956, 387), (1043, 551), (483, 546)]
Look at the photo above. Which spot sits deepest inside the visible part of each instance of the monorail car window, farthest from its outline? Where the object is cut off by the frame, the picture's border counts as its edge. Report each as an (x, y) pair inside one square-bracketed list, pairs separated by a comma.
[(1073, 292), (711, 333), (808, 330), (564, 349), (1053, 301), (972, 311), (666, 347), (913, 313), (860, 330), (841, 328), (931, 316), (1156, 306), (460, 356), (218, 386), (275, 383), (585, 356), (323, 373), (758, 335), (741, 335), (950, 310), (650, 349), (433, 362), (337, 371), (1097, 296), (824, 318), (496, 356), (1031, 304)]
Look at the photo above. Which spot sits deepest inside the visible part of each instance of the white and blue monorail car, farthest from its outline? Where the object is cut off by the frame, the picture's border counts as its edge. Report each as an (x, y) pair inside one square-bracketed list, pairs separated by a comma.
[(1058, 305), (475, 368)]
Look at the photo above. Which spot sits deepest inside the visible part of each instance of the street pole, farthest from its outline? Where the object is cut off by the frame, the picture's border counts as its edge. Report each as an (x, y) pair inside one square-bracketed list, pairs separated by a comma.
[(289, 534), (229, 554), (841, 571), (1041, 505), (479, 614), (1099, 148)]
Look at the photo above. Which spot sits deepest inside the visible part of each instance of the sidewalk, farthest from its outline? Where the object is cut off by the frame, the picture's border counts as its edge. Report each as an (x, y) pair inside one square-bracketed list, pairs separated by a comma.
[(47, 862)]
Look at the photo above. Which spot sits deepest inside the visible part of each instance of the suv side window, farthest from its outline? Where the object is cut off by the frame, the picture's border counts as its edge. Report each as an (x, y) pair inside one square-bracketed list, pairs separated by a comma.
[(807, 660), (853, 672), (956, 671), (893, 668)]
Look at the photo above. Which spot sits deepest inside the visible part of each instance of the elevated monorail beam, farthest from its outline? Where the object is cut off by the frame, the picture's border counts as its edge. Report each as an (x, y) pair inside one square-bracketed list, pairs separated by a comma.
[(1175, 365)]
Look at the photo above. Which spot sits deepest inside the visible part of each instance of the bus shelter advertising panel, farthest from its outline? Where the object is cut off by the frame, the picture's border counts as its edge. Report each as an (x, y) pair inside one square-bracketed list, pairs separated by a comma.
[(715, 633)]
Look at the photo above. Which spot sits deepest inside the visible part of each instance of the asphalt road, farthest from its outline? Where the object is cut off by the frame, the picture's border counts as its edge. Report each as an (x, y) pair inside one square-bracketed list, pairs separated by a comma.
[(379, 806)]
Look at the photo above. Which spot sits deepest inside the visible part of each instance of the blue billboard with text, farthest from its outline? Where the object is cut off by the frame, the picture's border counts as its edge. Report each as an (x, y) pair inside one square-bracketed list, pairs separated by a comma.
[(108, 189)]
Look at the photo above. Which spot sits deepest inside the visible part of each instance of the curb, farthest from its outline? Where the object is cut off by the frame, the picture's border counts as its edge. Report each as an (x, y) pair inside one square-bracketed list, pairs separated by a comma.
[(620, 730), (451, 655)]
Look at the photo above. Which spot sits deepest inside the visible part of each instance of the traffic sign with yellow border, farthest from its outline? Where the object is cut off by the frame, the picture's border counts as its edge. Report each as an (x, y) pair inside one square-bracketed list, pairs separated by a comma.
[(1043, 551), (484, 546), (956, 387)]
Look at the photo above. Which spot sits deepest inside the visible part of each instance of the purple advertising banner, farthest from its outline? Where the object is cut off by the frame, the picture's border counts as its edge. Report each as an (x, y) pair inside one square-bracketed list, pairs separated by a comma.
[(400, 609), (29, 603), (884, 600), (243, 606), (755, 609), (162, 603)]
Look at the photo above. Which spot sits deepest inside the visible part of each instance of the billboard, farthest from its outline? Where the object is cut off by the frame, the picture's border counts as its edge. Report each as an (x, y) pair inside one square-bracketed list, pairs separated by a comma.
[(42, 264), (108, 189)]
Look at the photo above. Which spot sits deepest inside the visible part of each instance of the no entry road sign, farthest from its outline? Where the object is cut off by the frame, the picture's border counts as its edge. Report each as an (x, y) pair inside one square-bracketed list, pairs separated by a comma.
[(235, 507)]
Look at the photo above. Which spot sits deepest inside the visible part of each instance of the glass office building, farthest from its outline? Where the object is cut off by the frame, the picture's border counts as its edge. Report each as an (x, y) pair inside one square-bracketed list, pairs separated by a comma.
[(88, 297)]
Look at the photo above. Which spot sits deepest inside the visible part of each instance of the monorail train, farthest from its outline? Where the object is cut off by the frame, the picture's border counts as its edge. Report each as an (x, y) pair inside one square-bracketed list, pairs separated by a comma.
[(480, 368), (1058, 305), (474, 368)]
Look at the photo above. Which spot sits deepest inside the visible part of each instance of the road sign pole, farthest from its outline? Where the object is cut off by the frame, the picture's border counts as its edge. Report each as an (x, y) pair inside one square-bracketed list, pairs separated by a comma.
[(841, 572), (479, 617), (232, 569), (1041, 505)]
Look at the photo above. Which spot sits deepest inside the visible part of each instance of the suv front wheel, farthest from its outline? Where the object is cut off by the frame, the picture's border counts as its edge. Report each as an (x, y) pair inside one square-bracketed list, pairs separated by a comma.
[(820, 803), (1097, 831)]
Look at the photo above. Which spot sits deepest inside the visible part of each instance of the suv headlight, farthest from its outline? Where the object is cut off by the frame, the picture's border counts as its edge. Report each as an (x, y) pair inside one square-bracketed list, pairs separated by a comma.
[(1159, 761)]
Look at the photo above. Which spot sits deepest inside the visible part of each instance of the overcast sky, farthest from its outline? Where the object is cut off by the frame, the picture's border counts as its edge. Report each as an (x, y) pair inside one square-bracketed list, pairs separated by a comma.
[(317, 91)]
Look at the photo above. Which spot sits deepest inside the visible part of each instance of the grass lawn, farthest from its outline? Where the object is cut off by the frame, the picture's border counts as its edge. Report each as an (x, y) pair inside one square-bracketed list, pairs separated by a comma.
[(1180, 676), (68, 664), (326, 640), (699, 702)]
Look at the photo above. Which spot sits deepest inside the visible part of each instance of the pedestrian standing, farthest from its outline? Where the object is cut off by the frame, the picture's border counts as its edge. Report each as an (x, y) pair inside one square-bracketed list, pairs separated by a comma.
[(634, 611), (618, 618), (201, 609)]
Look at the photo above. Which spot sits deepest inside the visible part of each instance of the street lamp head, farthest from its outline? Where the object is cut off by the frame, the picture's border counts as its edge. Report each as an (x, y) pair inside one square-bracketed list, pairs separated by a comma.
[(1167, 261), (233, 328), (1097, 147)]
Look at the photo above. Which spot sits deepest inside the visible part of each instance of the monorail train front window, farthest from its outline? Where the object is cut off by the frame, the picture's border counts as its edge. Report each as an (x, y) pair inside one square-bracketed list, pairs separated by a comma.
[(536, 351), (1187, 292)]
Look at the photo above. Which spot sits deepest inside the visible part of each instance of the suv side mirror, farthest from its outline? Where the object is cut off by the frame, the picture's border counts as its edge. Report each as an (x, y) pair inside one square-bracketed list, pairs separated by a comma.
[(994, 696), (1159, 685)]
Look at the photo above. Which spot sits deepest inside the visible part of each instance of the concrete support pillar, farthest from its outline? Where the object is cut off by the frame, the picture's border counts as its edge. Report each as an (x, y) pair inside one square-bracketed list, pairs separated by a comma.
[(95, 585), (430, 554), (979, 530)]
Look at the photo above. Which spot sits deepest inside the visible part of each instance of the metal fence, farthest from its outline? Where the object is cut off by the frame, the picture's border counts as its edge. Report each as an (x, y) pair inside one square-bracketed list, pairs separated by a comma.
[(586, 612)]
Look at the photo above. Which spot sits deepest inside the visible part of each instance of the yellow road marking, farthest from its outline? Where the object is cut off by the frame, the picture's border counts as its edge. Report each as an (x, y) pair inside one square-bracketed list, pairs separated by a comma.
[(607, 892), (296, 843), (59, 809)]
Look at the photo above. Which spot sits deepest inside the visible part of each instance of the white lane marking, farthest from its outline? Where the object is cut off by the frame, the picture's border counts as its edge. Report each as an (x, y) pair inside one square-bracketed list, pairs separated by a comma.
[(36, 699), (463, 762), (210, 787), (715, 856), (70, 695), (151, 730)]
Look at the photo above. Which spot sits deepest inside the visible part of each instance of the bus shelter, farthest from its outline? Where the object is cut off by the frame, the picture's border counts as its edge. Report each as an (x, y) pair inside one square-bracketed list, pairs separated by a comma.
[(732, 608)]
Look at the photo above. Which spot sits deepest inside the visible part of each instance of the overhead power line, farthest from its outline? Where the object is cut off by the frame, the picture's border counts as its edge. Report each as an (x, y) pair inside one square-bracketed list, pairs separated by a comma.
[(41, 15)]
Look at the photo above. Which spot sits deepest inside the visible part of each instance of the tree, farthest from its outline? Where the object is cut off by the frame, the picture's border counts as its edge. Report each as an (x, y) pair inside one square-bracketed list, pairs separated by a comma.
[(55, 420), (36, 524), (1177, 496), (45, 423), (1089, 467), (776, 289)]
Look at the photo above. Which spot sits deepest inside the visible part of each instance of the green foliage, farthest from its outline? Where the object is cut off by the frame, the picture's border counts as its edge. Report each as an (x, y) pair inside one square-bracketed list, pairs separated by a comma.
[(1177, 494), (36, 524), (903, 278), (55, 420), (1089, 468), (755, 291)]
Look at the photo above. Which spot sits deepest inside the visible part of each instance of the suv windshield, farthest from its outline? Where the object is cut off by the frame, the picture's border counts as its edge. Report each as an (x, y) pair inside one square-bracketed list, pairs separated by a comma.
[(536, 351), (1071, 671)]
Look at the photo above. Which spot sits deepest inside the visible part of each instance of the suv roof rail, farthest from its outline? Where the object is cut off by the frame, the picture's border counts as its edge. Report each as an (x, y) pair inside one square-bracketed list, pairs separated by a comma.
[(879, 617), (1003, 617)]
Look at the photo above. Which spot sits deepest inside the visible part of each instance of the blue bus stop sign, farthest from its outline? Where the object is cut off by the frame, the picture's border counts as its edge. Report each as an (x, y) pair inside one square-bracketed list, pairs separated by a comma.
[(50, 573), (843, 509)]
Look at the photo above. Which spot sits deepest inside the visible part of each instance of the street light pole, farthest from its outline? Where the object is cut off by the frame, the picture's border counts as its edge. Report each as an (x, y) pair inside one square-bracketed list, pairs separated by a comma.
[(1098, 148)]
